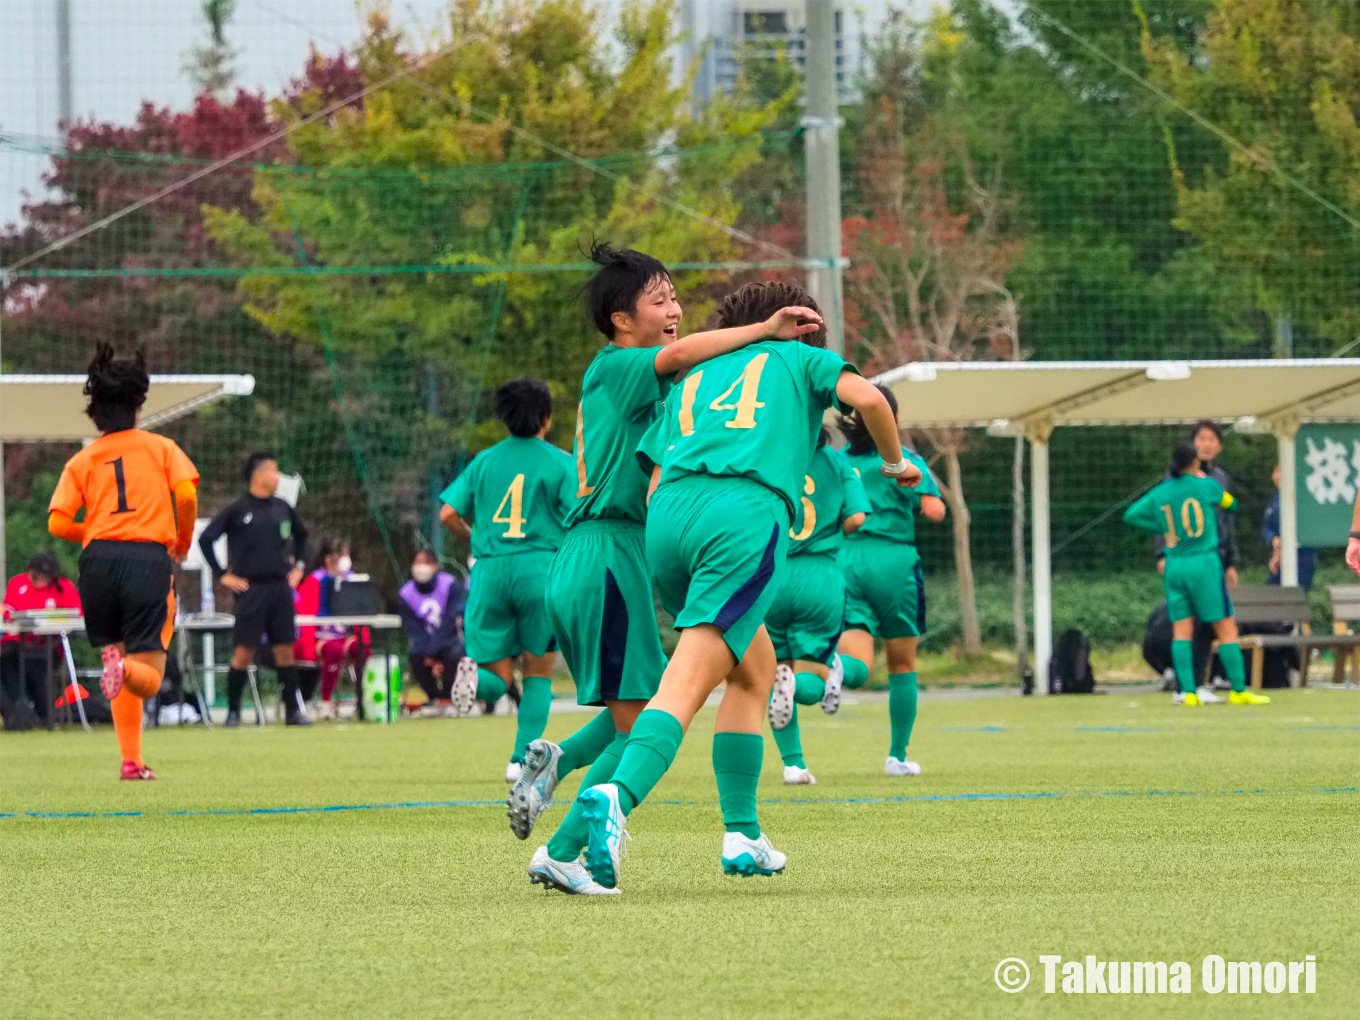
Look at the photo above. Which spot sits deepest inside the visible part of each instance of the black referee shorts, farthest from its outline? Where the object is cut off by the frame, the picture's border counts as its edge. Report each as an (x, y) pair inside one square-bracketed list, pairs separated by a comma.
[(265, 608), (127, 594)]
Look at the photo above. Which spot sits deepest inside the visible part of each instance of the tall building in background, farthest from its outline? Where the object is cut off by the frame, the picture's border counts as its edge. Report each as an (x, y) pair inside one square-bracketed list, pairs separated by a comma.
[(718, 31)]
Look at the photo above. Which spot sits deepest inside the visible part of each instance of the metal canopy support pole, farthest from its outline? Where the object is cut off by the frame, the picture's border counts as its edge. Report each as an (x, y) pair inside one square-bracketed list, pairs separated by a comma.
[(822, 145), (1039, 433), (1285, 431)]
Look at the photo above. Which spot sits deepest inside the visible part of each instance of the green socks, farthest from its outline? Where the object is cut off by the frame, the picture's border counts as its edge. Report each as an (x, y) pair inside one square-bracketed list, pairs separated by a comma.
[(856, 673), (1183, 658), (1231, 657), (901, 711), (789, 742), (571, 836), (651, 748), (490, 687), (810, 688), (587, 744), (736, 764), (533, 713)]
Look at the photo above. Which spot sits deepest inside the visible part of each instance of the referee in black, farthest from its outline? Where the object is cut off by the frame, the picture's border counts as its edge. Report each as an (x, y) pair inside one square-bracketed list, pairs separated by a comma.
[(266, 541)]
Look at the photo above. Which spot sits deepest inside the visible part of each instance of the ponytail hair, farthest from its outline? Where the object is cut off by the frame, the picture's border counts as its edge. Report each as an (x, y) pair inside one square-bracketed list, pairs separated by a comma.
[(116, 387)]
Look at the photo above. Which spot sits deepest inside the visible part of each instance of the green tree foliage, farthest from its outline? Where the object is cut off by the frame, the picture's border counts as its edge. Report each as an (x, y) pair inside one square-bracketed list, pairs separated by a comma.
[(1283, 79)]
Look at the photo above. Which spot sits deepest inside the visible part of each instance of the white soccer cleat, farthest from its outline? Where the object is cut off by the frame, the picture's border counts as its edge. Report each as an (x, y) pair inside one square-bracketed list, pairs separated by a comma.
[(795, 776), (464, 692), (744, 856), (326, 710), (1208, 697), (781, 698), (532, 793), (899, 767), (513, 771), (568, 876), (831, 700), (605, 823)]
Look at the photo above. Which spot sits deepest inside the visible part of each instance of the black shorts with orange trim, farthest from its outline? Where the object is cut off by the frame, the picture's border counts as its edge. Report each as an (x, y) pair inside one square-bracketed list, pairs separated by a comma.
[(127, 594)]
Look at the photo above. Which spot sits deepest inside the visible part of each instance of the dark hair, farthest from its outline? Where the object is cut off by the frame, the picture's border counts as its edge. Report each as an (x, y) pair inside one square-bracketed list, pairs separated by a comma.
[(857, 433), (46, 564), (756, 302), (524, 404), (1183, 457), (325, 549), (823, 437), (116, 388), (1207, 423), (621, 279), (255, 460)]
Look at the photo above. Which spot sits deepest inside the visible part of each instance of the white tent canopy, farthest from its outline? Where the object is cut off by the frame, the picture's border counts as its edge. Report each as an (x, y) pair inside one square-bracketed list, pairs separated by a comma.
[(51, 408), (1032, 398)]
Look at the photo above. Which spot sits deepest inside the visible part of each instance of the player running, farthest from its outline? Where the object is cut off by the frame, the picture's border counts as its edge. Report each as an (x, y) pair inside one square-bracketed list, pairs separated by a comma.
[(511, 500), (140, 494), (599, 589), (732, 445), (885, 594), (808, 612), (1181, 509)]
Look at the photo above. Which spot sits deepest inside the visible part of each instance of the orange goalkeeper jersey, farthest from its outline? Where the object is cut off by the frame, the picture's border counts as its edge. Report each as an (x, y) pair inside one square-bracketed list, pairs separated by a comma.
[(125, 482)]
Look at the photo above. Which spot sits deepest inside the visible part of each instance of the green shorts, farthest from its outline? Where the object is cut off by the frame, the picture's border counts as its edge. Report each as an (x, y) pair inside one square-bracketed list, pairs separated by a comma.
[(505, 614), (1195, 587), (716, 545), (808, 610), (885, 592), (601, 608)]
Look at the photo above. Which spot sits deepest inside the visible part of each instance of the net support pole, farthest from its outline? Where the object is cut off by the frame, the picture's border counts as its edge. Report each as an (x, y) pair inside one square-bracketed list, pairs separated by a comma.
[(1038, 433), (1285, 431), (822, 145), (4, 577)]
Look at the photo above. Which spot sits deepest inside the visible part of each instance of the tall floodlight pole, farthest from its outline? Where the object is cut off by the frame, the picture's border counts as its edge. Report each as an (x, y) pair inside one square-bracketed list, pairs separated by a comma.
[(822, 145), (65, 99)]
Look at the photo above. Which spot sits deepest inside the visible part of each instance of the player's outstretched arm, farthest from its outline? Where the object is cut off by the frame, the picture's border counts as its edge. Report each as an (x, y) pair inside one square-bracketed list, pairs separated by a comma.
[(458, 527), (1143, 515), (186, 513), (63, 526), (785, 324), (878, 417)]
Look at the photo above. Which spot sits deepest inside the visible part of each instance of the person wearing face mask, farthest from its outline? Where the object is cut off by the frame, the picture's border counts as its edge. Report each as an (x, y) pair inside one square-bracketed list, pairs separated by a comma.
[(332, 648), (431, 607)]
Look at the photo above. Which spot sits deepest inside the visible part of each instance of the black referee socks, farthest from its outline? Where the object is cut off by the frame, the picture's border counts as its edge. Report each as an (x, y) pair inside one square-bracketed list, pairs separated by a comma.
[(236, 686)]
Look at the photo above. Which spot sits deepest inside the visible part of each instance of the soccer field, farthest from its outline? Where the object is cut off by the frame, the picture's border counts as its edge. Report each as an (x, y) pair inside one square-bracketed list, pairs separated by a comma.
[(1117, 826)]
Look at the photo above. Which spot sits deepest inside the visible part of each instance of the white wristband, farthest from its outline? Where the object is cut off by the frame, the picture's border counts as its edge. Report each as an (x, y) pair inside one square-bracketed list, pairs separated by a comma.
[(895, 469)]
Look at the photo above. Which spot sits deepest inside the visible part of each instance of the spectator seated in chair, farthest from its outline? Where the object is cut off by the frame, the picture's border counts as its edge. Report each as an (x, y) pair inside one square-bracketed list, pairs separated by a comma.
[(41, 586), (431, 607), (332, 648)]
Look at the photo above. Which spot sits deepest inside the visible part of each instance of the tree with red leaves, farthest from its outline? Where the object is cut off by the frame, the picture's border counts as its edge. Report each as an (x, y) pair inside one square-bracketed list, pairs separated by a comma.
[(929, 261)]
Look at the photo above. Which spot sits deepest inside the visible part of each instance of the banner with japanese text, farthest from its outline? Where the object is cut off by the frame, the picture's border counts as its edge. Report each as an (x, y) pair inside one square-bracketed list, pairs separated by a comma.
[(1327, 459)]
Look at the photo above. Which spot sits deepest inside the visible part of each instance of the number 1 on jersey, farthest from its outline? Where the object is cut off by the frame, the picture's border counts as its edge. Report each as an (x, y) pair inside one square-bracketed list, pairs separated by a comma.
[(121, 482), (515, 497)]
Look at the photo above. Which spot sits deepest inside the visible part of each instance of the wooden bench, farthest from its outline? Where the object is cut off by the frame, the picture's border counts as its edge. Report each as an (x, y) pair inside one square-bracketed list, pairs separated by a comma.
[(1345, 611), (1274, 604)]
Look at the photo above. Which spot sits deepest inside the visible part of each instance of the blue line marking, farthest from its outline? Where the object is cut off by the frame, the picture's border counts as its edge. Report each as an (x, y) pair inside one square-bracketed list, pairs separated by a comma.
[(917, 798)]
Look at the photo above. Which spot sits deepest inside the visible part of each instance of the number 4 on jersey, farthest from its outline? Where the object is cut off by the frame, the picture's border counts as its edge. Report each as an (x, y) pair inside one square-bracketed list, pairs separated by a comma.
[(747, 400), (515, 497)]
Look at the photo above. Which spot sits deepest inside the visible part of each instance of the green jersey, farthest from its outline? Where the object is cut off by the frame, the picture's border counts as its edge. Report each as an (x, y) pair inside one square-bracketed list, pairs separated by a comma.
[(892, 507), (516, 496), (831, 493), (620, 395), (1182, 509), (752, 413)]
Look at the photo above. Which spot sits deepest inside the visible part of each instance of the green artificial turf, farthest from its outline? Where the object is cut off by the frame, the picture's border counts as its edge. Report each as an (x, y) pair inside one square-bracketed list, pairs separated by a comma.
[(889, 908)]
